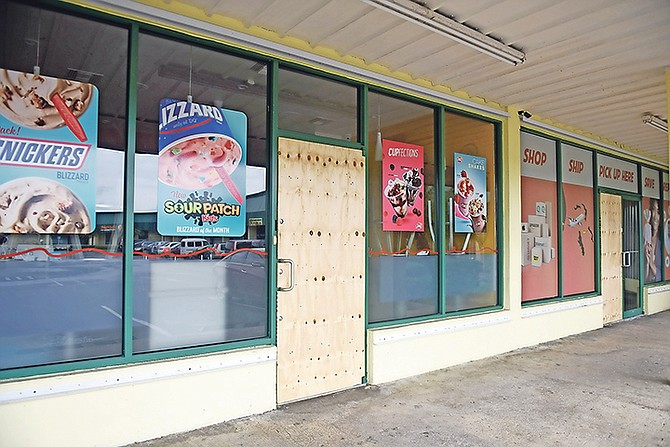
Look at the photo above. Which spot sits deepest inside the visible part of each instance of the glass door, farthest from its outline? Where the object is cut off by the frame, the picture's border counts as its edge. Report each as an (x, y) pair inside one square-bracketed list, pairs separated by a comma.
[(631, 257)]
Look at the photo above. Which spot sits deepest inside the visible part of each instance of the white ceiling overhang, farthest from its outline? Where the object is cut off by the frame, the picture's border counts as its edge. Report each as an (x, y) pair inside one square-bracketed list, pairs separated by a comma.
[(593, 68)]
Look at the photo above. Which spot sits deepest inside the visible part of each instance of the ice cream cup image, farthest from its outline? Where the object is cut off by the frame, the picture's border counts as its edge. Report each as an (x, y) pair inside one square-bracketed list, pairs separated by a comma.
[(413, 183), (396, 193), (29, 100), (462, 206), (39, 205), (464, 189), (192, 162), (476, 206)]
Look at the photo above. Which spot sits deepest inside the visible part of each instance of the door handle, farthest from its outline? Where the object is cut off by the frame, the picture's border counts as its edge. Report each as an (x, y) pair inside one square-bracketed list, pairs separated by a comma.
[(626, 259), (291, 277)]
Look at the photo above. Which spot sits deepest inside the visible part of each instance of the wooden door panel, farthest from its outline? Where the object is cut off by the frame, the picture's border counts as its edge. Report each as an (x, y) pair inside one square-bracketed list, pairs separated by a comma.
[(610, 255), (321, 322)]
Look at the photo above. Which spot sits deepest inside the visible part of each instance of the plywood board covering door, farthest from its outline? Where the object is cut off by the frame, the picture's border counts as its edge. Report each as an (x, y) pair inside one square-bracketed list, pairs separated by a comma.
[(611, 252), (321, 228)]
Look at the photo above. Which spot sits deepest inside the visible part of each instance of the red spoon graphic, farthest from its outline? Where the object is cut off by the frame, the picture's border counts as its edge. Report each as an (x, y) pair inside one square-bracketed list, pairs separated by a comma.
[(228, 182), (70, 120)]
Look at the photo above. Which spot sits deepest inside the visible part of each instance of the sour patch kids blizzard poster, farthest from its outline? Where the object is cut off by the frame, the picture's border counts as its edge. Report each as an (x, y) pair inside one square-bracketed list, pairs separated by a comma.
[(201, 170)]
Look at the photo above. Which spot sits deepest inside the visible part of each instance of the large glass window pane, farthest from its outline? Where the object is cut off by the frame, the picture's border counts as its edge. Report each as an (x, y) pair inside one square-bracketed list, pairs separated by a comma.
[(317, 106), (577, 221), (60, 274), (471, 262), (402, 251), (652, 226), (194, 283), (666, 226), (539, 273)]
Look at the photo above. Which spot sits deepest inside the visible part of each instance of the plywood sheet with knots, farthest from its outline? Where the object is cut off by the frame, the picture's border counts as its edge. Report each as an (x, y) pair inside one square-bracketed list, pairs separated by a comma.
[(611, 254), (320, 323)]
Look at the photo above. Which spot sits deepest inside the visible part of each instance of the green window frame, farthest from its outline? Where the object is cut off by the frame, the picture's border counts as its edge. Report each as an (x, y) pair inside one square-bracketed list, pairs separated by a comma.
[(596, 210), (361, 142), (441, 215), (127, 356), (561, 296)]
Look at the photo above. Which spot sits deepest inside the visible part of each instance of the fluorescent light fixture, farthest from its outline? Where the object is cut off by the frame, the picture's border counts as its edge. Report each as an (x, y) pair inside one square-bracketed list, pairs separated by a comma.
[(441, 24), (655, 122)]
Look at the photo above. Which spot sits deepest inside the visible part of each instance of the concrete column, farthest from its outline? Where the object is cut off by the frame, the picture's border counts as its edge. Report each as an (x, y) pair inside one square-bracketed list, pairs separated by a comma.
[(512, 211)]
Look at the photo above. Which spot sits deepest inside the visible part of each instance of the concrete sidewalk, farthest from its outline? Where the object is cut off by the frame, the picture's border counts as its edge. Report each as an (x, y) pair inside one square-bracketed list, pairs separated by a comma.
[(609, 387)]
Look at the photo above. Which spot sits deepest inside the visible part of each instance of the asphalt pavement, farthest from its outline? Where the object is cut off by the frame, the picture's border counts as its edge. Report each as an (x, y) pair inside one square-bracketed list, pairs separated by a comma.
[(609, 387)]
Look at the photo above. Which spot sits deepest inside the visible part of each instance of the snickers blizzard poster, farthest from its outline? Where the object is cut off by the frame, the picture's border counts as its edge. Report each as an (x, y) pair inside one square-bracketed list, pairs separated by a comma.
[(48, 137), (402, 187), (201, 170)]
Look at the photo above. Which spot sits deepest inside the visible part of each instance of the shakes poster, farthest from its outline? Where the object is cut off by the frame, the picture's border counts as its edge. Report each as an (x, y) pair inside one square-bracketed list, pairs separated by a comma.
[(201, 170), (469, 194), (48, 137)]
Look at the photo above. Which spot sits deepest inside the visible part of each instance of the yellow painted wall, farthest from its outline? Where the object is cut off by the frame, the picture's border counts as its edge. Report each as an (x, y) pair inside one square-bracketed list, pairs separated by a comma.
[(400, 352), (656, 299), (511, 180), (153, 400)]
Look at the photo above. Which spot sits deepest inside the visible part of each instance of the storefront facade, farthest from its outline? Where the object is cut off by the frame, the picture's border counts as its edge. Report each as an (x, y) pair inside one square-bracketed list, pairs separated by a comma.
[(212, 231)]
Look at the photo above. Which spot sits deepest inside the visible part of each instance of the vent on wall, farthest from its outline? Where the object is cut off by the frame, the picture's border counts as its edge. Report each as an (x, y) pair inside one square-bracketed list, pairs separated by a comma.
[(75, 74)]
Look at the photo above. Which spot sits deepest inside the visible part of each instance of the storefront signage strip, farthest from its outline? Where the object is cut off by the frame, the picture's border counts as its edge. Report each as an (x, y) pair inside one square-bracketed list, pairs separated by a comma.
[(538, 157), (589, 141), (650, 183), (617, 174), (577, 166)]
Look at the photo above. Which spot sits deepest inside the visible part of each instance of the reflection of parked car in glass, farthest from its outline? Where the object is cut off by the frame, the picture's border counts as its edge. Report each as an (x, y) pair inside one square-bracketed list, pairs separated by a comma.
[(173, 247), (4, 247), (243, 243), (143, 245), (241, 277), (189, 245), (138, 244), (164, 247), (219, 249), (153, 247)]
